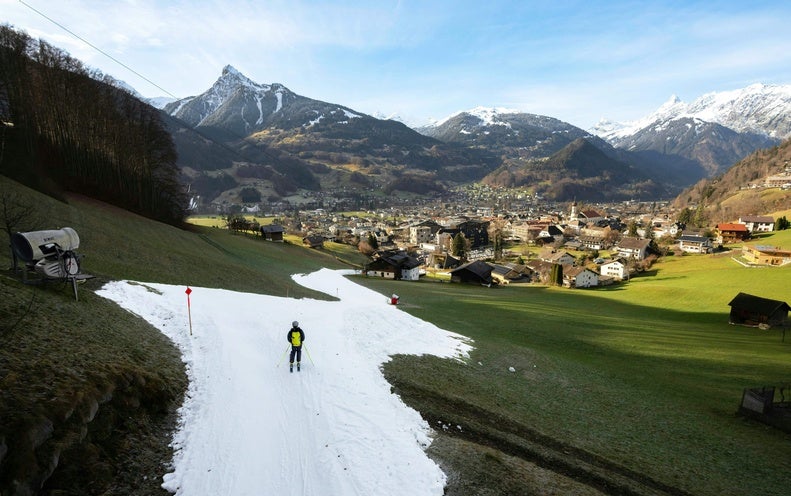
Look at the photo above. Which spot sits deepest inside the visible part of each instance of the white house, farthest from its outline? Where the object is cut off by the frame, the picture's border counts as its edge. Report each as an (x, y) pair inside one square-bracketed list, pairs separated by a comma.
[(694, 244), (758, 223), (579, 277), (616, 269), (561, 257), (633, 248)]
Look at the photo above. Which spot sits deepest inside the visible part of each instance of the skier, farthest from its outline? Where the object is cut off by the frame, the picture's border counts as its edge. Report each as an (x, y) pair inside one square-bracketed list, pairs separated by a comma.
[(296, 337)]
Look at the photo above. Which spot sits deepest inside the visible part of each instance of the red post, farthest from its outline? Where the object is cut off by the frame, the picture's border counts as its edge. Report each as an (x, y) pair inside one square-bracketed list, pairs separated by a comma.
[(189, 311)]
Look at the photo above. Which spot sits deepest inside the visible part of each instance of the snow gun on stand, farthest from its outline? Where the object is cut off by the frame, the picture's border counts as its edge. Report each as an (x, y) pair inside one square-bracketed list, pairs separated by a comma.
[(50, 254)]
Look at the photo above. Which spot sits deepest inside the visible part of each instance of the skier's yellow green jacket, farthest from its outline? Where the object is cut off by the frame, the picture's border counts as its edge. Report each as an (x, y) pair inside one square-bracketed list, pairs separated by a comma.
[(295, 336)]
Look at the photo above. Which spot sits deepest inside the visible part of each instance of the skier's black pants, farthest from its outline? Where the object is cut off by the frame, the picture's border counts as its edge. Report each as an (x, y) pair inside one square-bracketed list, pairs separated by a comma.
[(295, 350)]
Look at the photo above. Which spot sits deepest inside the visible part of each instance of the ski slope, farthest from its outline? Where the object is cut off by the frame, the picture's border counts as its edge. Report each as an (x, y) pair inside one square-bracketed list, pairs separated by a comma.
[(249, 427)]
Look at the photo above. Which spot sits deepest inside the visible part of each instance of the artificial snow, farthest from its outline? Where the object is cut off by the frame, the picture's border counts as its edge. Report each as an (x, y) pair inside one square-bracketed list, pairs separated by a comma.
[(249, 427)]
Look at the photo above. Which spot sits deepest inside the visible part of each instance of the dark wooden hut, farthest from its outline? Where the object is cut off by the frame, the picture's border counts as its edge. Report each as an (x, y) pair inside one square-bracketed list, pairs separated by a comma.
[(755, 311), (475, 272)]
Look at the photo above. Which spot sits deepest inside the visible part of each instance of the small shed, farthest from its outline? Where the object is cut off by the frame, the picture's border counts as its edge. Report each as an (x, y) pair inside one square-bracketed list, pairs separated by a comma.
[(478, 272), (750, 310), (313, 241), (272, 232)]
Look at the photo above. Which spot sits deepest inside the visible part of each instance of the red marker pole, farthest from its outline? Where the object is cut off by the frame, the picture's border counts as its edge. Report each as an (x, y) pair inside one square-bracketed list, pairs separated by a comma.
[(189, 311)]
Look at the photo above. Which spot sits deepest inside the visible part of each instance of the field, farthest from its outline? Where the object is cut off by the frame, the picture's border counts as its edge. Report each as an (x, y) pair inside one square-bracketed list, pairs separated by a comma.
[(627, 389), (646, 376)]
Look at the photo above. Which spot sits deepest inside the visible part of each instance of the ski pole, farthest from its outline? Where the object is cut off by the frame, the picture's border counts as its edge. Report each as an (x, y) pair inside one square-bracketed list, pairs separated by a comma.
[(309, 357), (284, 356)]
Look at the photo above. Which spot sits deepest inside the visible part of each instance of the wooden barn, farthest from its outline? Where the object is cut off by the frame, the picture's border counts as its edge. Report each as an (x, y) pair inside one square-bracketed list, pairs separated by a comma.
[(272, 232), (477, 272), (755, 311)]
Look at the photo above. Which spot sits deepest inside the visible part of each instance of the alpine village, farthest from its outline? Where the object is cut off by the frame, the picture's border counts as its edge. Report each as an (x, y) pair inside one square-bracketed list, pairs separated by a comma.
[(601, 229)]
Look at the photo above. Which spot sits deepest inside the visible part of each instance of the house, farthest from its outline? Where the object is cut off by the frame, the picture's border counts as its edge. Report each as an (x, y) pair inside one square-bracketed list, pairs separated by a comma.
[(477, 272), (766, 255), (592, 242), (442, 261), (313, 241), (630, 247), (551, 231), (526, 232), (541, 269), (560, 257), (732, 233), (694, 244), (273, 232), (755, 311), (777, 181), (579, 277), (674, 229), (507, 273), (398, 266), (616, 268), (758, 223)]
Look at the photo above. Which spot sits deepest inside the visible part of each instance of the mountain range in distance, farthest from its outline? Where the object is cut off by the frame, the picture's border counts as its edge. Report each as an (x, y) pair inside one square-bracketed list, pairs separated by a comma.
[(242, 140)]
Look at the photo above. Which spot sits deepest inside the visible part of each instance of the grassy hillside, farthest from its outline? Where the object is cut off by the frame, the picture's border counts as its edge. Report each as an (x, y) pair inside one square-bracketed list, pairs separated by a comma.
[(88, 392), (630, 389)]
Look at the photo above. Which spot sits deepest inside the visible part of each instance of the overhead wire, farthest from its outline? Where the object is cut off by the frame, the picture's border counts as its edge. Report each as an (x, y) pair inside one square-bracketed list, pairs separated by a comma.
[(238, 153), (53, 21)]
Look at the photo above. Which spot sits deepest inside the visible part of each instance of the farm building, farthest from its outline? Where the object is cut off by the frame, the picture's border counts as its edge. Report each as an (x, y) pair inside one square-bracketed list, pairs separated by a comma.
[(272, 232), (476, 272), (313, 241), (755, 311)]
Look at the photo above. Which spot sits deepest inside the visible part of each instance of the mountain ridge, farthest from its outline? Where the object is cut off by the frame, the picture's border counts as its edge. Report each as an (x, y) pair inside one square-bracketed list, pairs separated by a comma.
[(319, 145), (758, 108)]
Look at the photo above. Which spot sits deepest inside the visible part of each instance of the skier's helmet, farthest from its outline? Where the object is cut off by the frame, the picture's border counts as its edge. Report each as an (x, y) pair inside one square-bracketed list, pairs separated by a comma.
[(295, 324)]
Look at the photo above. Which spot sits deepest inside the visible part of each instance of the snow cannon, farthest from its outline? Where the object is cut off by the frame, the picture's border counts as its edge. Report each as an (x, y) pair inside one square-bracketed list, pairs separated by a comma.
[(50, 252)]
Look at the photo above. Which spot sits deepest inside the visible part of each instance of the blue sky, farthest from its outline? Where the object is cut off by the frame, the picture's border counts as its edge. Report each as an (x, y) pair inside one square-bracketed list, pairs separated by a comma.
[(577, 61)]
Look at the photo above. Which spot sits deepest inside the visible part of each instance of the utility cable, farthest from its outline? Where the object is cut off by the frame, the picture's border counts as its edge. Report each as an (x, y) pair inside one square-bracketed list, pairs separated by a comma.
[(97, 49)]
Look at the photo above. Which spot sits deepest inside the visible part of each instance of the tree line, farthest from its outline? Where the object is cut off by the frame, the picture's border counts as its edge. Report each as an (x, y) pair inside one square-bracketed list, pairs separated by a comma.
[(65, 127)]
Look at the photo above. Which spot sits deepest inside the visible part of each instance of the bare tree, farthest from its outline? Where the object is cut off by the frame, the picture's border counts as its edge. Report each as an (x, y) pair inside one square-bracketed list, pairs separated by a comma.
[(15, 214)]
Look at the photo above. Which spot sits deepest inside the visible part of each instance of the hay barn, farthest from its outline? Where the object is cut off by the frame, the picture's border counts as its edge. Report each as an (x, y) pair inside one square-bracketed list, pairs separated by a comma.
[(750, 310)]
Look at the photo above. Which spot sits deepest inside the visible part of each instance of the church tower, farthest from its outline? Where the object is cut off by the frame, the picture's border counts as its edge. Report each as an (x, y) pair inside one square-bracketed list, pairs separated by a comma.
[(573, 214)]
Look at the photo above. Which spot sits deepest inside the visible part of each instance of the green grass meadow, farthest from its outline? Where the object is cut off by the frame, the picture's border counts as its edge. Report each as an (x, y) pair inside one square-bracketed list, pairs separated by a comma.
[(647, 374)]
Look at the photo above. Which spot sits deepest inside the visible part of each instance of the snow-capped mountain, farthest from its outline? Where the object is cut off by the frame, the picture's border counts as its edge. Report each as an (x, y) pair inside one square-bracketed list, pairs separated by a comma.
[(298, 142), (234, 102), (508, 131), (712, 133), (757, 109)]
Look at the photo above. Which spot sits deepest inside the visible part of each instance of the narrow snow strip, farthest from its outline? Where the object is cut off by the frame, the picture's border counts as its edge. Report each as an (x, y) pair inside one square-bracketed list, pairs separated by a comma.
[(249, 427)]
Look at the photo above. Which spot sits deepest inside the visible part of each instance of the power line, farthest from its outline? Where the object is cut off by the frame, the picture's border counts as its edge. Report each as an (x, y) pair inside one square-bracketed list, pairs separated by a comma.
[(97, 49)]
